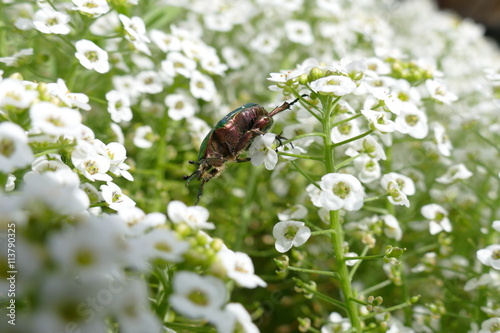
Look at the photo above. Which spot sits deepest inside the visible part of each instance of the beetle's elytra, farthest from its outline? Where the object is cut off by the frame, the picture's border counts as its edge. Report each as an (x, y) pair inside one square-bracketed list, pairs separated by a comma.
[(230, 137)]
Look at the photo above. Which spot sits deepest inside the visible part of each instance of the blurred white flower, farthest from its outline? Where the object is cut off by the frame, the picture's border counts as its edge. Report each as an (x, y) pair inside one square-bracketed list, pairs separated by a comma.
[(49, 21), (336, 323), (161, 244), (454, 173), (149, 82), (344, 131), (94, 8), (335, 85), (15, 152), (195, 296), (490, 325), (262, 151), (438, 217), (180, 106), (54, 120), (490, 256), (194, 216), (165, 42), (496, 225), (412, 121), (202, 86), (290, 233), (443, 142), (114, 197), (143, 137), (292, 213), (135, 32), (439, 92), (119, 106), (239, 267), (92, 56), (58, 191), (178, 63), (339, 191), (367, 145), (391, 227), (368, 169), (265, 42), (132, 310), (14, 93), (299, 32)]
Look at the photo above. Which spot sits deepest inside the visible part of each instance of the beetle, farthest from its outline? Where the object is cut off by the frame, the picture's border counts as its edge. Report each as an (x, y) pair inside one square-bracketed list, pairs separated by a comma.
[(230, 137)]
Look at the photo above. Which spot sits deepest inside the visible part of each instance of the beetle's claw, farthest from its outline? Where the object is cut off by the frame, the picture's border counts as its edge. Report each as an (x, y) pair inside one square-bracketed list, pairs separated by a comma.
[(193, 162)]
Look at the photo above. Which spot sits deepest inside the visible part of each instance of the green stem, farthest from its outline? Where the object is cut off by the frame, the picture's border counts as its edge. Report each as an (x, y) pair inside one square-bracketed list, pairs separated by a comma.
[(298, 137), (312, 271), (338, 235), (306, 176), (362, 135), (343, 121), (305, 157)]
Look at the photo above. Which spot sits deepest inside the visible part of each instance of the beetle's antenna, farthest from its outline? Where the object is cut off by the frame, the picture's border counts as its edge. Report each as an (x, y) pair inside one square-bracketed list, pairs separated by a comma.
[(284, 106)]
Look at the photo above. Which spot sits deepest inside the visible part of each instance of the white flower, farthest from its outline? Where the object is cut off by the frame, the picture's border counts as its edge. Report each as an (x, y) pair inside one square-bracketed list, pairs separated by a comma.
[(406, 184), (379, 120), (239, 267), (336, 323), (14, 149), (131, 308), (180, 106), (21, 57), (149, 82), (491, 325), (262, 151), (119, 106), (490, 256), (92, 56), (194, 216), (54, 120), (299, 32), (90, 249), (114, 197), (162, 244), (49, 21), (58, 191), (443, 142), (391, 101), (165, 42), (391, 227), (396, 195), (50, 162), (438, 217), (93, 7), (482, 281), (61, 91), (243, 318), (92, 165), (135, 32), (234, 57), (336, 85), (351, 262), (196, 296), (143, 137), (454, 173), (178, 63), (290, 233), (496, 225), (265, 42), (368, 169), (412, 121), (439, 93), (14, 93), (294, 212), (344, 131), (202, 86), (367, 145), (339, 191)]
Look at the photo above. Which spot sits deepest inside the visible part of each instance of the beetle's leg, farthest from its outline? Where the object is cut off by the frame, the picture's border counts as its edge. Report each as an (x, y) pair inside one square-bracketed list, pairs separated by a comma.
[(279, 137), (194, 162), (284, 106), (200, 192), (242, 160)]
